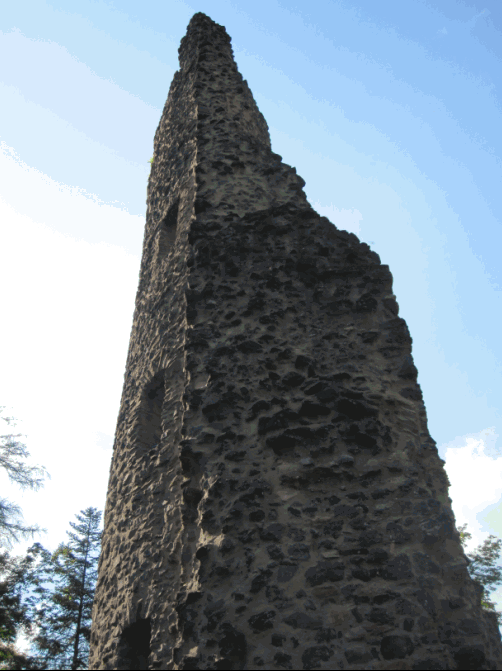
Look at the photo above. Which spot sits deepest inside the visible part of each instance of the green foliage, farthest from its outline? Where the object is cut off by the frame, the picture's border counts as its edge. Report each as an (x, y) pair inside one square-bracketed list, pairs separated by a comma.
[(483, 567), (13, 613), (151, 160), (48, 598), (13, 659), (13, 454), (66, 581), (17, 576)]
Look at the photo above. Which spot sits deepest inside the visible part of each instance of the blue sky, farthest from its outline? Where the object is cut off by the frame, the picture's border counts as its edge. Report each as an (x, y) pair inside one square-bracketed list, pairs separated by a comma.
[(391, 113)]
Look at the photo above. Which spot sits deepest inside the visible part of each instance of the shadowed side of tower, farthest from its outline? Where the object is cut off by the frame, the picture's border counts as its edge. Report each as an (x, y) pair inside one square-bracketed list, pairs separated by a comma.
[(275, 499)]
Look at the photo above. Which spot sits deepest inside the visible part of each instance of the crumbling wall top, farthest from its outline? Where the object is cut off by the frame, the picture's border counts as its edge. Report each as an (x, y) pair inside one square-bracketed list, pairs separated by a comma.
[(203, 32)]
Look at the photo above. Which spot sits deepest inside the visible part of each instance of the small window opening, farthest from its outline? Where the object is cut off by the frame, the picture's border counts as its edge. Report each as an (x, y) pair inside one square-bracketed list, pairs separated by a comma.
[(151, 417), (135, 648), (168, 227)]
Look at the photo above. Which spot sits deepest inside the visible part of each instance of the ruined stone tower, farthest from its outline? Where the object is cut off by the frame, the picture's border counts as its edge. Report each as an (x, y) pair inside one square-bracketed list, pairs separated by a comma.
[(275, 499)]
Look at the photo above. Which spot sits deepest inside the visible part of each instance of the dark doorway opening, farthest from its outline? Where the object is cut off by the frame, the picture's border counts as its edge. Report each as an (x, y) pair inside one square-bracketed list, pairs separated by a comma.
[(135, 648)]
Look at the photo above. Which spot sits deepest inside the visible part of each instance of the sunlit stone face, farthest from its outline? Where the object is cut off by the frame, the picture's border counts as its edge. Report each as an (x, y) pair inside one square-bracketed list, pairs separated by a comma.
[(275, 498)]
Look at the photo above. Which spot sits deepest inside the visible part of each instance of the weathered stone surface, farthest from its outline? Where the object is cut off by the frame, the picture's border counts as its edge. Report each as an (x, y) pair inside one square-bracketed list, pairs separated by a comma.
[(275, 499)]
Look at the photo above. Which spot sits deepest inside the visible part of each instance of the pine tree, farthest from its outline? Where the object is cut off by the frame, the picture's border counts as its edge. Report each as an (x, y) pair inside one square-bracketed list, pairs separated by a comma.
[(14, 571), (18, 599), (482, 567), (13, 454), (65, 591), (12, 611)]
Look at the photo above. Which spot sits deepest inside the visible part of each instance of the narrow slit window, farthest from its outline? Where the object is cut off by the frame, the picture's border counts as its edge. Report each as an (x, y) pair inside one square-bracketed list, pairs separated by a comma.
[(168, 229), (151, 419)]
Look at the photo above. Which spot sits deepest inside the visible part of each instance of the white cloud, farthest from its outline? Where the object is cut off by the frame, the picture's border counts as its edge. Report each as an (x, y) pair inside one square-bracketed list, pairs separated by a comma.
[(476, 481), (66, 309)]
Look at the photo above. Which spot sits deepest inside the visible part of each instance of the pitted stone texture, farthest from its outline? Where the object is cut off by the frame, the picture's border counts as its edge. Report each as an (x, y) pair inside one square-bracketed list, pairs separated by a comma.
[(275, 498)]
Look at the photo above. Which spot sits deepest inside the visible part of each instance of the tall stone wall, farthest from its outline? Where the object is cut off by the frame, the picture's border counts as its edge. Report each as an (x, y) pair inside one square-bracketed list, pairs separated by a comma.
[(275, 498)]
